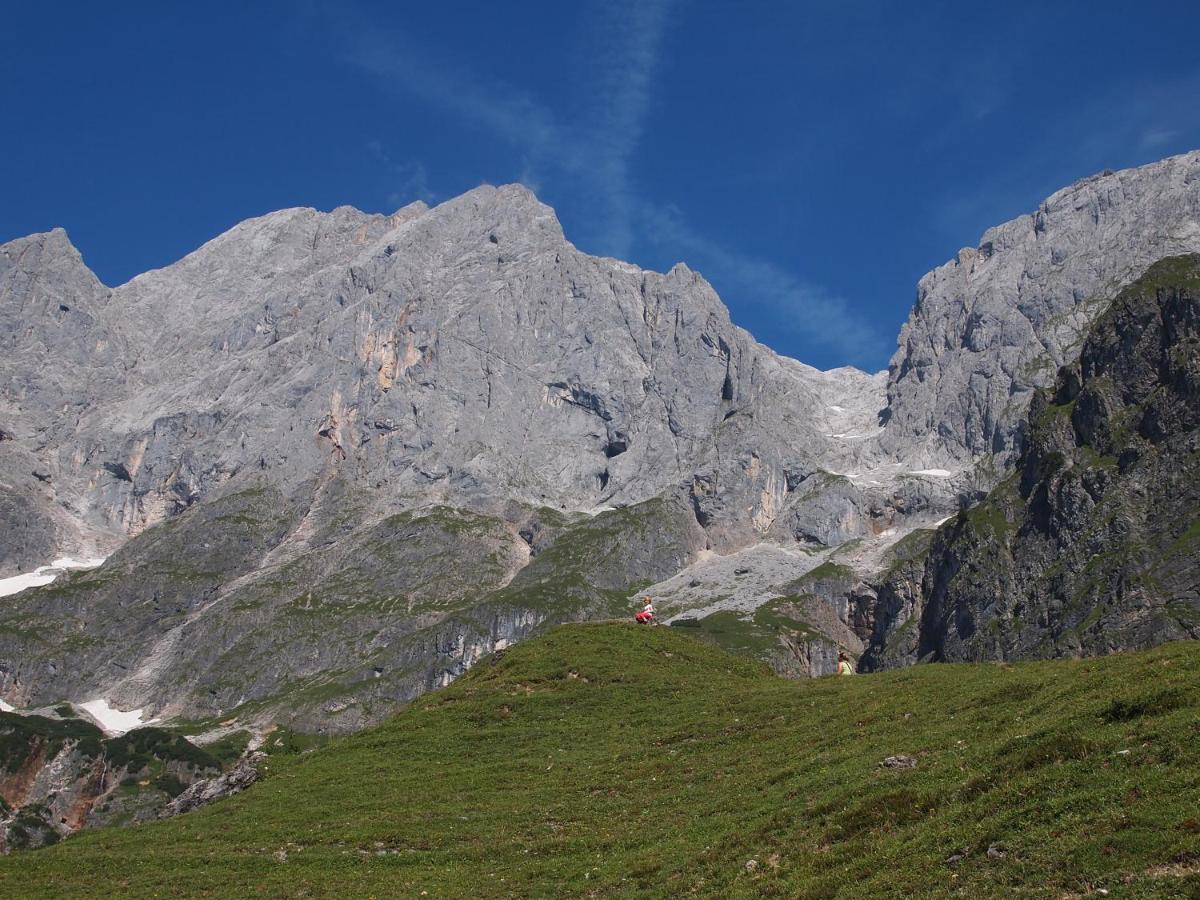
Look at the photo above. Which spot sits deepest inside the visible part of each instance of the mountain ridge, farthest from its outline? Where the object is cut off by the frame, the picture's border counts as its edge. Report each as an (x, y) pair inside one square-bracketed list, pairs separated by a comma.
[(264, 433)]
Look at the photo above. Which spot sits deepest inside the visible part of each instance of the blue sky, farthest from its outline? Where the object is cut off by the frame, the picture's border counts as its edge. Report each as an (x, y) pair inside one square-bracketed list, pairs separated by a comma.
[(811, 159)]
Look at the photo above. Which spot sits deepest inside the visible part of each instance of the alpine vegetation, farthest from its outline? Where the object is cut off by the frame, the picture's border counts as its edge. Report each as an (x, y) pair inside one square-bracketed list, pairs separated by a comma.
[(329, 462)]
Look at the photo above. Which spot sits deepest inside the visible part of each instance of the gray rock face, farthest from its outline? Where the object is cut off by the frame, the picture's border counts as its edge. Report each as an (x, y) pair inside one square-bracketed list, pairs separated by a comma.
[(1092, 544), (466, 354), (243, 774), (337, 457), (275, 400), (51, 350), (994, 325)]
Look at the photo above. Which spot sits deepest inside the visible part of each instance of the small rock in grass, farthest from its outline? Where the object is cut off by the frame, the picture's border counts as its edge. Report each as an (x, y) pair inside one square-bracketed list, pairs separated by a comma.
[(900, 761), (751, 865), (997, 851), (956, 857)]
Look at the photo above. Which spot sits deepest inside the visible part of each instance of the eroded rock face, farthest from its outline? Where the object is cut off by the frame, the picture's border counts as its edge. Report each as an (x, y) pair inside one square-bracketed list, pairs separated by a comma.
[(58, 775), (466, 355), (337, 457), (51, 346), (991, 327), (201, 793), (1093, 543), (346, 454)]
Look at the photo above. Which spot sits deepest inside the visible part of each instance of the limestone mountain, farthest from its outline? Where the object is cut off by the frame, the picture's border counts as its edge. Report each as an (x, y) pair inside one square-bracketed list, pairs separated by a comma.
[(333, 438), (466, 354), (334, 458), (1093, 543), (993, 325)]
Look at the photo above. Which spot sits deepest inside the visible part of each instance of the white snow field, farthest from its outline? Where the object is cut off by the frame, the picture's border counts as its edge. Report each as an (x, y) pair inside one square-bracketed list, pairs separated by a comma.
[(113, 721), (43, 575)]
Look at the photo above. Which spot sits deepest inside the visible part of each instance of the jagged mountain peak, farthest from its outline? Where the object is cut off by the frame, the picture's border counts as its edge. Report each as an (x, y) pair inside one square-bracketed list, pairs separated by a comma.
[(433, 398), (992, 325), (406, 350), (52, 257)]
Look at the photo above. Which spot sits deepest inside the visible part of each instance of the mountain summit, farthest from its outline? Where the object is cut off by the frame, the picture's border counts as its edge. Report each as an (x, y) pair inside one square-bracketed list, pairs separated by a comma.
[(334, 458)]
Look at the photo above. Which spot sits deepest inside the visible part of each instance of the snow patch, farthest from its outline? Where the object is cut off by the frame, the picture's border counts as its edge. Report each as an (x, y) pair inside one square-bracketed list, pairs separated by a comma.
[(836, 408), (936, 473), (18, 583), (4, 707), (113, 721), (43, 575)]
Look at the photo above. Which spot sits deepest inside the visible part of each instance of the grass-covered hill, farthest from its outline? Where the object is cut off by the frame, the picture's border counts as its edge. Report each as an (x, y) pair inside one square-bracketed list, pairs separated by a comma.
[(611, 760)]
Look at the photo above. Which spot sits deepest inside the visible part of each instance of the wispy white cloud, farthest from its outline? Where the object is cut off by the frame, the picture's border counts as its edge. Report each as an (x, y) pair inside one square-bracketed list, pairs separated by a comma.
[(1135, 123), (500, 108), (593, 147), (1158, 137), (590, 153), (805, 309), (630, 35)]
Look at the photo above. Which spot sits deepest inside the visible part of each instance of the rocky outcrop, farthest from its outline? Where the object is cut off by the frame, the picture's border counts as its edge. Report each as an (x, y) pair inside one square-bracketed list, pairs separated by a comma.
[(1092, 544), (59, 774), (993, 325), (885, 610), (243, 774)]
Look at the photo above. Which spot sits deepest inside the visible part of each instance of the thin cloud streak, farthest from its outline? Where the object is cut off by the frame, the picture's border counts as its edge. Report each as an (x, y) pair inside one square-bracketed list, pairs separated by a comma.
[(1131, 126), (594, 153), (615, 123), (807, 309), (410, 179), (498, 107)]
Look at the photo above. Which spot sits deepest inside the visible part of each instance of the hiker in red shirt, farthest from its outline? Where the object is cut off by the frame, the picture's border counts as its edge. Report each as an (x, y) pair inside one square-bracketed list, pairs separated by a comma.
[(646, 616)]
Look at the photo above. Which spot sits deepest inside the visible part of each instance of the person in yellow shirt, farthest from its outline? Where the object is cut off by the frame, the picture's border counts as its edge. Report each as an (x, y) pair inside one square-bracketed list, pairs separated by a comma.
[(844, 666)]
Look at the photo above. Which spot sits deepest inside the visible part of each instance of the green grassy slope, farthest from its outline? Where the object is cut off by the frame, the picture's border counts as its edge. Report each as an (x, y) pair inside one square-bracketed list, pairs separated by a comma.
[(622, 760)]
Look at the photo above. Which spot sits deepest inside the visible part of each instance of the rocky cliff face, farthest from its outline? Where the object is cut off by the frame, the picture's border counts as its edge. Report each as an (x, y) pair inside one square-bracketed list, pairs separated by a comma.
[(334, 458), (992, 326), (51, 348), (59, 774), (466, 354), (356, 452), (1092, 544)]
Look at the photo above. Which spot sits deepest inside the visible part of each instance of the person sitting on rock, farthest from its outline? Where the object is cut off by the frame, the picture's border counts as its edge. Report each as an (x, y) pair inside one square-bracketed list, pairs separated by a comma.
[(844, 667), (646, 616)]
